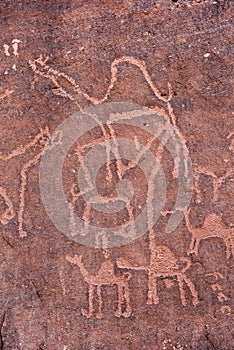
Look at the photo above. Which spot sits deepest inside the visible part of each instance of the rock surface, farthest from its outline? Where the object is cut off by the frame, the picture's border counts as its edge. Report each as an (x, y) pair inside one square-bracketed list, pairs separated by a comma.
[(51, 49)]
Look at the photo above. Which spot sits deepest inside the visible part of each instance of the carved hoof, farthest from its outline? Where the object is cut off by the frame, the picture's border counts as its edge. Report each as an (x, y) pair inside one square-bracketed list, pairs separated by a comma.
[(118, 313), (192, 251), (151, 301), (127, 314), (23, 233), (196, 302), (86, 313)]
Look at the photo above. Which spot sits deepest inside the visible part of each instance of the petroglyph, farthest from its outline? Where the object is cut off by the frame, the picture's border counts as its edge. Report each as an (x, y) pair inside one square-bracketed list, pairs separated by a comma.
[(164, 264), (105, 277), (6, 49), (9, 212), (172, 345), (216, 286), (14, 46), (40, 139), (217, 180), (62, 82), (40, 67), (212, 227)]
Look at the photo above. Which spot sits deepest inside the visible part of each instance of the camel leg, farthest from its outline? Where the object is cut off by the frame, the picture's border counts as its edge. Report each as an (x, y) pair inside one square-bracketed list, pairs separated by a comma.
[(193, 290), (192, 245), (152, 289), (128, 310), (229, 248), (90, 311), (196, 187), (182, 293), (99, 294), (120, 292), (196, 246), (217, 183)]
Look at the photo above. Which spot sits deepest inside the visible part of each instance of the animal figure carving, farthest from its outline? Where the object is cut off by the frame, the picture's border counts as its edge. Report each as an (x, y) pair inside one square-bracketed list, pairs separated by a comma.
[(217, 181), (40, 140), (105, 277), (212, 227), (164, 264)]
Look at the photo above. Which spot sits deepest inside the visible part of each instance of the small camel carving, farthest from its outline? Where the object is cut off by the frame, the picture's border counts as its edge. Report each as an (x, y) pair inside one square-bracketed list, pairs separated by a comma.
[(164, 264), (105, 276), (212, 227), (217, 181)]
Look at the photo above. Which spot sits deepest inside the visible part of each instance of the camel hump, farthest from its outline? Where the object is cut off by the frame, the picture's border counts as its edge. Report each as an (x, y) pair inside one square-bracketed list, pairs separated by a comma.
[(164, 259), (163, 252), (106, 269), (213, 220)]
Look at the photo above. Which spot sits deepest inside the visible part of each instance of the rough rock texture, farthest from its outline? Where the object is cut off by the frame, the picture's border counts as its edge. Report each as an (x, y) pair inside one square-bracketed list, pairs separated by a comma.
[(184, 43)]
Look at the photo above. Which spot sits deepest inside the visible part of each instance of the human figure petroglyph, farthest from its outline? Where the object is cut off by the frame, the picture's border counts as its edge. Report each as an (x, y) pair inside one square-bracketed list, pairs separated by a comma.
[(105, 277), (41, 139), (164, 264), (217, 180), (212, 227)]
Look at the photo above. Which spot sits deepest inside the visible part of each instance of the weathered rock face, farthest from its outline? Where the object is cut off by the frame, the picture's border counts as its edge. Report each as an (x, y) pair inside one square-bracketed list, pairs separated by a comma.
[(163, 290)]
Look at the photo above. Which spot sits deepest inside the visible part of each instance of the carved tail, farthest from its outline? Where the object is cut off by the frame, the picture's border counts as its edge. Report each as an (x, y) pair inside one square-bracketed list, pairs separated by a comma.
[(188, 224)]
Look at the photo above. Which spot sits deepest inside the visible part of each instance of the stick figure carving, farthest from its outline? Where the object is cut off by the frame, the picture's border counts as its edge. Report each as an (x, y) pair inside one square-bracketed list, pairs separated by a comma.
[(39, 140), (105, 277), (164, 264), (212, 227)]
